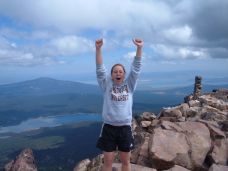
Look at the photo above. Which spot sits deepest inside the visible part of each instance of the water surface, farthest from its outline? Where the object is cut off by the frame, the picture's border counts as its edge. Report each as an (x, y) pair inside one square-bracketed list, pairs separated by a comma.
[(49, 121)]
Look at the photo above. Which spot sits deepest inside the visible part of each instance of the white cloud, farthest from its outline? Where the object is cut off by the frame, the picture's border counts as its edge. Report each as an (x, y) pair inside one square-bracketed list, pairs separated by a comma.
[(143, 18), (28, 35), (190, 53), (74, 15), (177, 52), (16, 57), (168, 62), (71, 45), (129, 56), (181, 35), (46, 29), (29, 54)]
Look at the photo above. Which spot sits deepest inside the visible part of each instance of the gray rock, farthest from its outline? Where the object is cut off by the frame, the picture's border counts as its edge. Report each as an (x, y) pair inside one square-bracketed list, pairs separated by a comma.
[(148, 116), (134, 167), (193, 112), (183, 108), (96, 163), (190, 136), (82, 165), (145, 124), (221, 94), (24, 162), (194, 103), (219, 153), (213, 102), (167, 148), (171, 112), (198, 137), (177, 168), (171, 126), (224, 125), (215, 167), (143, 155)]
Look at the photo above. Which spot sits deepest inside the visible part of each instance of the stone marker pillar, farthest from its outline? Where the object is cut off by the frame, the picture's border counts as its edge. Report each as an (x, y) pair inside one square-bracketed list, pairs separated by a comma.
[(197, 87)]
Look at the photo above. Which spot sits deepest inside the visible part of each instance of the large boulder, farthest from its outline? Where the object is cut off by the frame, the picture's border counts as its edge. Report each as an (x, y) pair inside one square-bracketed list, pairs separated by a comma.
[(213, 102), (198, 137), (24, 162), (143, 154), (171, 126), (213, 114), (167, 148), (214, 129), (179, 143), (219, 152), (215, 167)]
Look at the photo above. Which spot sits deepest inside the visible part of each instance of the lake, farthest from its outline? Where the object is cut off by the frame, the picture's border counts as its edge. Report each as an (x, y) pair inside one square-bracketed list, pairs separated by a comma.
[(49, 121), (58, 142)]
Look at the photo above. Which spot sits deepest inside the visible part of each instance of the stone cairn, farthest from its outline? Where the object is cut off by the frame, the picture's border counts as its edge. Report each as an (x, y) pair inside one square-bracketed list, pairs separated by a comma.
[(197, 87)]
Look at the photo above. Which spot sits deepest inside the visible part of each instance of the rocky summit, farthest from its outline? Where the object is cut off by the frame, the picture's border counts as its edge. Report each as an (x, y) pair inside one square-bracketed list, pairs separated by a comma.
[(189, 137)]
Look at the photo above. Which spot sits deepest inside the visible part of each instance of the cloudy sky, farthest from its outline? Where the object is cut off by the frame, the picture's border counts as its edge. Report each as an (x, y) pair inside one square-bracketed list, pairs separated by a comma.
[(55, 38)]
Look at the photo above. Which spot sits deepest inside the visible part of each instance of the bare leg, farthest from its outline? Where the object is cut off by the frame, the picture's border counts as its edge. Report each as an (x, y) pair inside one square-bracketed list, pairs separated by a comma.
[(125, 160), (108, 159)]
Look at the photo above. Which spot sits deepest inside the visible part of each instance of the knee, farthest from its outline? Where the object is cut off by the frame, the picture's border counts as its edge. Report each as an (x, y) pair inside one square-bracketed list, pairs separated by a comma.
[(125, 161), (108, 162)]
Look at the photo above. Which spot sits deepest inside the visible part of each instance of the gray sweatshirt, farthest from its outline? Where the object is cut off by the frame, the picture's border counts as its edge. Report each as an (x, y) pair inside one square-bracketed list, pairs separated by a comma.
[(118, 99)]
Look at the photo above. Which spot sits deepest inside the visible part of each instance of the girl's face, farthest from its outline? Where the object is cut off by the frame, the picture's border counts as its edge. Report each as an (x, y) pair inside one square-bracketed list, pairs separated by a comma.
[(118, 74)]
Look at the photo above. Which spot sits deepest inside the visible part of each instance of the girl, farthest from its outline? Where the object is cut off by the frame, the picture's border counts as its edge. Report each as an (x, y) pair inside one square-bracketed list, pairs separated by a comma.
[(116, 133)]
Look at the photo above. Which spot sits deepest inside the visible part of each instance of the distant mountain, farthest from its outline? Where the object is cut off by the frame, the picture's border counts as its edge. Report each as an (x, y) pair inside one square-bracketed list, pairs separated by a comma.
[(46, 96), (47, 86)]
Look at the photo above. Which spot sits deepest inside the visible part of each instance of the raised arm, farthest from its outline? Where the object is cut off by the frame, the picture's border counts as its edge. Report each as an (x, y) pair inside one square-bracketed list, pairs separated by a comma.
[(98, 44), (139, 44), (100, 69), (136, 65)]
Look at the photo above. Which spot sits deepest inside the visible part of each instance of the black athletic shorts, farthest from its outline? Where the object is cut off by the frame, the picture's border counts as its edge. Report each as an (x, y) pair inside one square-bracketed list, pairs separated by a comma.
[(114, 138)]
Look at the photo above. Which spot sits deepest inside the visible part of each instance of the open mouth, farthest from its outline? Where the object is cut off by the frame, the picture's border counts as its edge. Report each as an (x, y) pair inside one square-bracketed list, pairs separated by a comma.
[(118, 78)]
